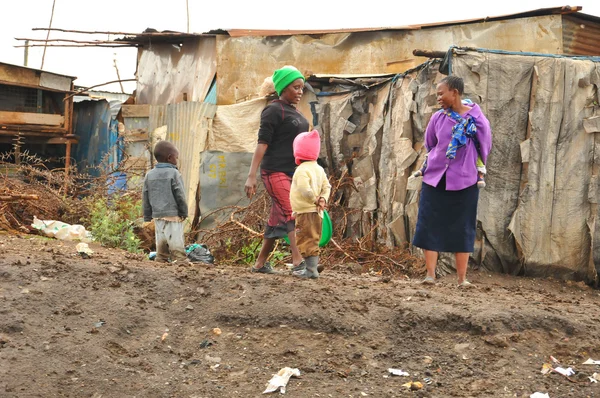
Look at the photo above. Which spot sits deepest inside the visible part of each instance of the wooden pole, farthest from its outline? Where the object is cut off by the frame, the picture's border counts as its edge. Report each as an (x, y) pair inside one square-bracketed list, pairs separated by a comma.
[(18, 151), (80, 45), (118, 75), (48, 35), (187, 6), (67, 165), (41, 41), (18, 196), (97, 85), (429, 53), (89, 32), (26, 53)]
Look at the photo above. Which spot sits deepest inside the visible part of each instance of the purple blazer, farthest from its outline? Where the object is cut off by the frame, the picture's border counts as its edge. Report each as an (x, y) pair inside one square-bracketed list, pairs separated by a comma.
[(461, 172)]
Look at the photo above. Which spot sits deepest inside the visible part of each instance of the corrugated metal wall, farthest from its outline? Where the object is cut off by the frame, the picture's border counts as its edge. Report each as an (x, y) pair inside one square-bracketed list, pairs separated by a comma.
[(187, 128), (581, 36), (96, 150)]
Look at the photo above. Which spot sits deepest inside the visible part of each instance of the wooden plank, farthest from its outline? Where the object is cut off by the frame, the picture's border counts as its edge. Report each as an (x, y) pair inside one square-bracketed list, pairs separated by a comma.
[(136, 163), (135, 110), (16, 75), (136, 135), (31, 129), (61, 140), (44, 119), (32, 86)]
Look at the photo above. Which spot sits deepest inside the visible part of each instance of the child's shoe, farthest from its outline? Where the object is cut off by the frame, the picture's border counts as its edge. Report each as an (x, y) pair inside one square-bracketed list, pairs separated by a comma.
[(480, 182), (300, 270)]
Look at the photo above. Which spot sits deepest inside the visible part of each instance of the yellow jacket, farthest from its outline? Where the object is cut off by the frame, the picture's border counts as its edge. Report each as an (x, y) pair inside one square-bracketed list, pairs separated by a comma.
[(308, 185)]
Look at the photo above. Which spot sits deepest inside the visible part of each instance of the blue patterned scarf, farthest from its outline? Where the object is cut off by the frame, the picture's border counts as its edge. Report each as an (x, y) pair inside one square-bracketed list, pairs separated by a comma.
[(462, 130)]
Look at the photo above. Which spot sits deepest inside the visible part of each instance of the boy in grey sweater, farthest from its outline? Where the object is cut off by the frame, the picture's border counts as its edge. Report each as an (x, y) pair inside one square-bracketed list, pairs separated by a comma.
[(164, 201)]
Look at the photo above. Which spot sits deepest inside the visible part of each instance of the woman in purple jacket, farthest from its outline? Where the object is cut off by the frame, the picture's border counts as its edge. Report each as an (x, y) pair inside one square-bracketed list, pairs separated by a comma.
[(455, 137)]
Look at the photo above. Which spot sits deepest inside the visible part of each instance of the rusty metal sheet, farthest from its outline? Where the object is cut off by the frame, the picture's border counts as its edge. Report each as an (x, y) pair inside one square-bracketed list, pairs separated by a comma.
[(377, 52), (526, 14), (581, 36), (172, 73)]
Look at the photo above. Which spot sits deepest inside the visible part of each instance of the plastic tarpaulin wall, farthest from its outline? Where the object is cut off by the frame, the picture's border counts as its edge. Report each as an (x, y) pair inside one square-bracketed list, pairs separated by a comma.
[(171, 73), (538, 214), (222, 179), (235, 127)]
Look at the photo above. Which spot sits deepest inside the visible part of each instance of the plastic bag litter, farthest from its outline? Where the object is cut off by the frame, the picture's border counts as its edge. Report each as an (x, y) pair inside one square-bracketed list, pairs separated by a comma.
[(565, 372), (397, 372), (591, 362), (84, 250), (61, 230), (539, 395), (280, 380), (198, 253)]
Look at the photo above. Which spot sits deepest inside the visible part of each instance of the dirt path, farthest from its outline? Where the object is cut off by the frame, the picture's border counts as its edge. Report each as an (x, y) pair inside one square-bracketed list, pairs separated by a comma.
[(343, 331)]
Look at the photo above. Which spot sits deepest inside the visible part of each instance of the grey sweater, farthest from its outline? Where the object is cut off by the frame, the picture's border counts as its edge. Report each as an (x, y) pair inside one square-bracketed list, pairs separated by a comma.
[(163, 194)]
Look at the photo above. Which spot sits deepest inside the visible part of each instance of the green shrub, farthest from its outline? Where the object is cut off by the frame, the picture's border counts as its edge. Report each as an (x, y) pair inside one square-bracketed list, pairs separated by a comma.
[(250, 251), (111, 222)]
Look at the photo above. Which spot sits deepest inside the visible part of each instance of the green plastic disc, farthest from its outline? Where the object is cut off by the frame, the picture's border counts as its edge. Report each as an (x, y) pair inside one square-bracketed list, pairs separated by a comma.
[(326, 230)]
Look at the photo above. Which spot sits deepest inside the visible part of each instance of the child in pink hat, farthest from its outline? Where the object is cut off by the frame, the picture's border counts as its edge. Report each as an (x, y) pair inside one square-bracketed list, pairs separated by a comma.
[(308, 195)]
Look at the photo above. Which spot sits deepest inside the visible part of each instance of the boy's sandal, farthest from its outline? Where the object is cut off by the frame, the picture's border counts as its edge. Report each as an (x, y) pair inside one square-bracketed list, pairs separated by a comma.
[(428, 281)]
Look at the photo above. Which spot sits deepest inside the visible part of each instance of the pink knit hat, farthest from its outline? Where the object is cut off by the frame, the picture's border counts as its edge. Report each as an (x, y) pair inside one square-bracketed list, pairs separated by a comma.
[(307, 146)]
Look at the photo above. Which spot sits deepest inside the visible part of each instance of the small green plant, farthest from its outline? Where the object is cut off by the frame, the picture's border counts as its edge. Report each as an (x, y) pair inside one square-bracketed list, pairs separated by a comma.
[(250, 251), (278, 256), (112, 221)]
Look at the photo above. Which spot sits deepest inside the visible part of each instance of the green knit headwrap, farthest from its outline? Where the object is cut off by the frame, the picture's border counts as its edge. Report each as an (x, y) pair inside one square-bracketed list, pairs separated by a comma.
[(284, 77)]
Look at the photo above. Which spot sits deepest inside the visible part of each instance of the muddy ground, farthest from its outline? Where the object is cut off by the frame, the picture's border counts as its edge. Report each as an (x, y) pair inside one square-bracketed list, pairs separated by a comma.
[(73, 327)]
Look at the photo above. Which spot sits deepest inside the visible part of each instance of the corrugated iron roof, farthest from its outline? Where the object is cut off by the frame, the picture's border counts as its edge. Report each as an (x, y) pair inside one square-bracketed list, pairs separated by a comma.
[(169, 36)]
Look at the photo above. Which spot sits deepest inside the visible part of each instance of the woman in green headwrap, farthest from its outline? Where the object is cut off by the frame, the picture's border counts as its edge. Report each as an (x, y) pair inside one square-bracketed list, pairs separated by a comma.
[(280, 123)]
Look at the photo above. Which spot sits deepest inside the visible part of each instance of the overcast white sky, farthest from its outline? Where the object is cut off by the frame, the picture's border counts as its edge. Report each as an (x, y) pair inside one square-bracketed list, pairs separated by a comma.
[(95, 65)]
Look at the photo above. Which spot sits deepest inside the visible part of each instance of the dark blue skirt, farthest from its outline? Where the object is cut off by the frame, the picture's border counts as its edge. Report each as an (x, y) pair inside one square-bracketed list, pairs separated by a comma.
[(447, 219)]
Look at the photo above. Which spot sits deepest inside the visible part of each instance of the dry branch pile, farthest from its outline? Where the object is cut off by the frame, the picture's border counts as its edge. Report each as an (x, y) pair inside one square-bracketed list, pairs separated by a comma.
[(242, 227), (33, 190)]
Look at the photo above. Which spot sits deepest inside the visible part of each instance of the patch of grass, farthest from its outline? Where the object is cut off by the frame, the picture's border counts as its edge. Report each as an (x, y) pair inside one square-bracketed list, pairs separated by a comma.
[(111, 221)]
